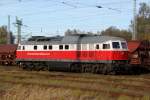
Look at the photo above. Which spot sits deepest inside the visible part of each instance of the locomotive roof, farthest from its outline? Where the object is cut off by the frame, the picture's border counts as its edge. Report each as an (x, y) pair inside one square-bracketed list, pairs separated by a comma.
[(74, 39), (88, 39)]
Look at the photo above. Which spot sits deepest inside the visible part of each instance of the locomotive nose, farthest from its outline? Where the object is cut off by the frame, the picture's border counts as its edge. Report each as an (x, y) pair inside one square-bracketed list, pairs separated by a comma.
[(124, 54), (120, 55)]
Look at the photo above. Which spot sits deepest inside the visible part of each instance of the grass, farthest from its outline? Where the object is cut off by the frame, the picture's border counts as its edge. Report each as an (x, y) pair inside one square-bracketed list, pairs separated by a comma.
[(31, 92), (16, 84), (20, 92)]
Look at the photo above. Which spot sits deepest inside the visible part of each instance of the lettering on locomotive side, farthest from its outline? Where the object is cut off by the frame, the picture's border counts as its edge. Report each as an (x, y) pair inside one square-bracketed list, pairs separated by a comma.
[(37, 54)]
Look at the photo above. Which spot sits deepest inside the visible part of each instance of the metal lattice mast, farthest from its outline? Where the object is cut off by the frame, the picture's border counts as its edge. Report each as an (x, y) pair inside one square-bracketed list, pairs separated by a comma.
[(19, 24)]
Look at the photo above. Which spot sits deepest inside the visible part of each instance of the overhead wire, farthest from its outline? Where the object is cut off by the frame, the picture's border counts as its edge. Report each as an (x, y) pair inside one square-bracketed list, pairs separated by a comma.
[(10, 3), (68, 4), (74, 7), (97, 6), (71, 5)]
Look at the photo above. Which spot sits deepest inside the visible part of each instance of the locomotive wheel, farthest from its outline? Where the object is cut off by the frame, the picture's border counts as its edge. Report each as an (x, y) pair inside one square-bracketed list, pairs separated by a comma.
[(76, 68), (83, 69), (72, 67), (103, 68), (95, 69), (111, 70), (107, 69), (36, 67), (45, 68), (25, 67), (28, 66), (86, 68)]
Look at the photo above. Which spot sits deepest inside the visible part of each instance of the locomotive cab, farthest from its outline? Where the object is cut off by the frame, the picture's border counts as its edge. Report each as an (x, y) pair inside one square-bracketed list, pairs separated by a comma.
[(116, 51), (119, 51)]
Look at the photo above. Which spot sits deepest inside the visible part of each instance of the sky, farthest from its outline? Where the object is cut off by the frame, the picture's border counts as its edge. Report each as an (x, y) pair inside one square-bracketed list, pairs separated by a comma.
[(54, 17)]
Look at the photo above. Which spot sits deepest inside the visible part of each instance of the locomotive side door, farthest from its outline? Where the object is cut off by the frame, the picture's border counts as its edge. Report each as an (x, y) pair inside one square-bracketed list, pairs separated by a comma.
[(79, 48), (91, 52), (78, 51)]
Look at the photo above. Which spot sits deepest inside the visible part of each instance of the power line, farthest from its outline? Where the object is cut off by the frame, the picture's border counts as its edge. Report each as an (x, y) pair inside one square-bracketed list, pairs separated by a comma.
[(116, 3), (97, 6), (10, 3), (68, 4), (75, 6), (71, 5)]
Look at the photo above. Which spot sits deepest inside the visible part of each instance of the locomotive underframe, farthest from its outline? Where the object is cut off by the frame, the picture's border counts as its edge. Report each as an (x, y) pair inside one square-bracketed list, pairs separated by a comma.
[(102, 67)]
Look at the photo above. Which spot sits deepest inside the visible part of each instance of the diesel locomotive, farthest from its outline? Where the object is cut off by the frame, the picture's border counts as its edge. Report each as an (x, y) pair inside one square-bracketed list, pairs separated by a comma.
[(74, 52)]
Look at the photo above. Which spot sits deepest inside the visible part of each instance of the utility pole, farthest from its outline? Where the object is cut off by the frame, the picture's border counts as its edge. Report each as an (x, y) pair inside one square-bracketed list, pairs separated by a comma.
[(19, 25), (41, 29), (57, 32), (134, 35), (8, 31)]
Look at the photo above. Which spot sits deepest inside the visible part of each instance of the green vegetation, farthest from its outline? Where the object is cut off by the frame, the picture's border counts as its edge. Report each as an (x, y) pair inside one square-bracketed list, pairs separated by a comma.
[(113, 31), (143, 22), (3, 35)]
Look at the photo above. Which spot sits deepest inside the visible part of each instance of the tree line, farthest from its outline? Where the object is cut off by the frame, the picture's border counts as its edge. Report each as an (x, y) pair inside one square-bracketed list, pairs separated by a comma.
[(3, 35)]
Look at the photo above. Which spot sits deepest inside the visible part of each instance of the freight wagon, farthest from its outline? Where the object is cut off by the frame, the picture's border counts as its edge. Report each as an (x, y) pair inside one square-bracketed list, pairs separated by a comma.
[(7, 54), (139, 53)]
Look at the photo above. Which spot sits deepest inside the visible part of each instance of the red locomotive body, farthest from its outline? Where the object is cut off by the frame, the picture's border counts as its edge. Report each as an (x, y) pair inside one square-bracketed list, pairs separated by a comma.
[(76, 52), (72, 55)]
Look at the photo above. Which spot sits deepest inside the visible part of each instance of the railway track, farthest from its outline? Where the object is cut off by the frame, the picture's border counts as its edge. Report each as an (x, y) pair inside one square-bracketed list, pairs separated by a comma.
[(96, 89), (133, 86), (89, 77), (81, 80)]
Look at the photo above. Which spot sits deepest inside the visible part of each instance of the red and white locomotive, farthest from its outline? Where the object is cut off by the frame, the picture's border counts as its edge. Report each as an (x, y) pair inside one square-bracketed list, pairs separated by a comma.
[(84, 53)]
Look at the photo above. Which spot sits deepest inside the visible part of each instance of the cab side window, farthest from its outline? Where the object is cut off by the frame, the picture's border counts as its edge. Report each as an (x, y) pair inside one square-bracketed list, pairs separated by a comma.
[(124, 45), (116, 45)]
